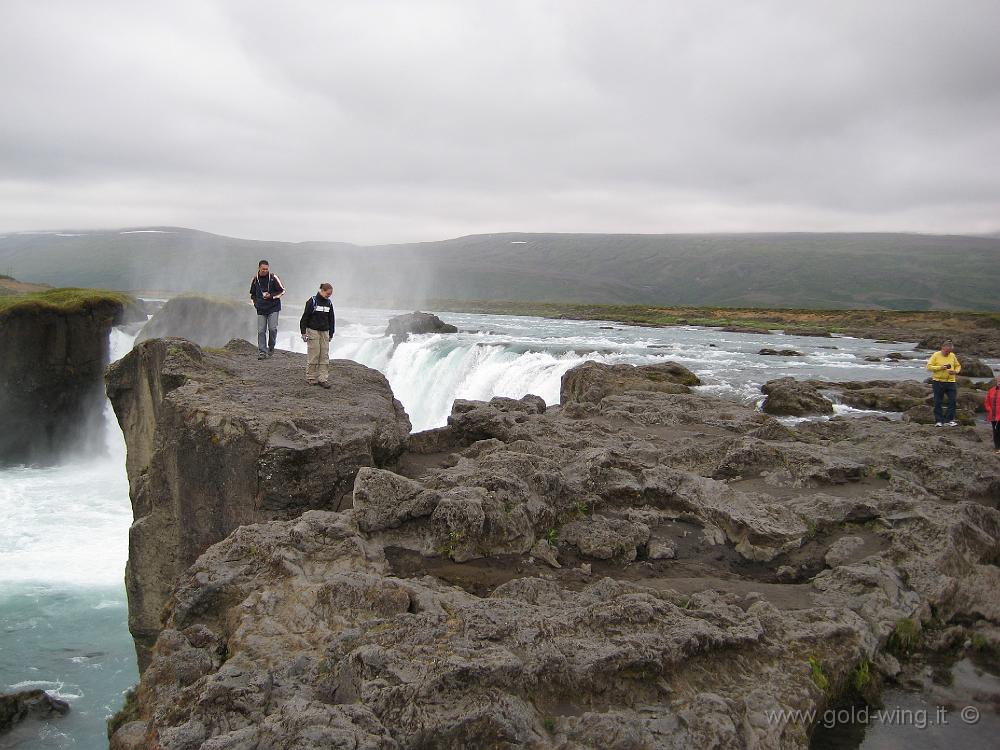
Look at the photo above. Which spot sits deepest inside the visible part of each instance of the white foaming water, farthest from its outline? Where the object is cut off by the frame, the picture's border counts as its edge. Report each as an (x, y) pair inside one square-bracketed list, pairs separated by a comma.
[(63, 546), (69, 524), (512, 356)]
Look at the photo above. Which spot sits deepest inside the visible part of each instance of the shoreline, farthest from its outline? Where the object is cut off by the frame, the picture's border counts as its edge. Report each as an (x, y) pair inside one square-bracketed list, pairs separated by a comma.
[(975, 333)]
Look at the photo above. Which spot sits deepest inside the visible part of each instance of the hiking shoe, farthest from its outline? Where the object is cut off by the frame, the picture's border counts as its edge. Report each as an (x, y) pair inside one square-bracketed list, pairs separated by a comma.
[(953, 423), (324, 384), (262, 355), (270, 353), (939, 424)]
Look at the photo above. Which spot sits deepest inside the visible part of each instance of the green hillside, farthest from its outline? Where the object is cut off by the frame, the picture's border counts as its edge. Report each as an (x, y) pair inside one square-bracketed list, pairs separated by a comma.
[(802, 270)]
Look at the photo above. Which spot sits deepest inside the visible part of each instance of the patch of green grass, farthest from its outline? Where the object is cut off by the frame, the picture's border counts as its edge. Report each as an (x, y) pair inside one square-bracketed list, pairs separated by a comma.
[(819, 677), (62, 301), (581, 509), (905, 636), (861, 677), (455, 538), (552, 536), (981, 644), (550, 724)]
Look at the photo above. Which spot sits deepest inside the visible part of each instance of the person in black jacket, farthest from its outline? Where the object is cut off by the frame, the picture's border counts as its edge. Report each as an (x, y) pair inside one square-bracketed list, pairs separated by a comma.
[(266, 291), (317, 325)]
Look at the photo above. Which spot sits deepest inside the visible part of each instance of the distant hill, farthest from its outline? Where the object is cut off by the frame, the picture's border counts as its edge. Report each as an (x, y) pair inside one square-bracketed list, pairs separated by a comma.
[(803, 270)]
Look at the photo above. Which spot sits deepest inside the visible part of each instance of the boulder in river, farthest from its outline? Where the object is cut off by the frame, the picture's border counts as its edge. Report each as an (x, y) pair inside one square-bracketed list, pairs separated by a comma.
[(16, 707), (779, 353), (975, 368), (794, 398), (592, 381), (402, 326)]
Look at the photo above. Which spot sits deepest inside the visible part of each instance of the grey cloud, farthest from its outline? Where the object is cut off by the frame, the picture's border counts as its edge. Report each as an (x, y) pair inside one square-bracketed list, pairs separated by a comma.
[(390, 121)]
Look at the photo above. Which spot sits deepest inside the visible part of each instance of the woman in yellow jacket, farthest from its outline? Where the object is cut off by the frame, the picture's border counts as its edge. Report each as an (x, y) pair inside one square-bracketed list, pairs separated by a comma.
[(944, 366)]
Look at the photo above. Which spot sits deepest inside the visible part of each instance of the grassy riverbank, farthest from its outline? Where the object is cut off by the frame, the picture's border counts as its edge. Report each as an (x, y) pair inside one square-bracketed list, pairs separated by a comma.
[(62, 301)]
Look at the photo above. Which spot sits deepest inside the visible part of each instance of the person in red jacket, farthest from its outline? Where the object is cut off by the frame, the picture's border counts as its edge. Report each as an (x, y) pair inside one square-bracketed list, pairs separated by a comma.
[(992, 405)]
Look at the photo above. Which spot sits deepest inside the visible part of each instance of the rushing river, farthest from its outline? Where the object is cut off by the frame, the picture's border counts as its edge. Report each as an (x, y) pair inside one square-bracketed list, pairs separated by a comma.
[(64, 530)]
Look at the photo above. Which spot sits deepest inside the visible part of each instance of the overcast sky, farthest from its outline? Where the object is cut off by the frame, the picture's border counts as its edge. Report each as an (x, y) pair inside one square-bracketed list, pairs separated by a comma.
[(394, 121)]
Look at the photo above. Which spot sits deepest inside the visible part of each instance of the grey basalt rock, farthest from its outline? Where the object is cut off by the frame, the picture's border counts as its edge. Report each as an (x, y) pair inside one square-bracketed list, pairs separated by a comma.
[(300, 632), (766, 352), (51, 370), (794, 398), (972, 367), (882, 395), (843, 550), (217, 439), (593, 381), (402, 326), (289, 634)]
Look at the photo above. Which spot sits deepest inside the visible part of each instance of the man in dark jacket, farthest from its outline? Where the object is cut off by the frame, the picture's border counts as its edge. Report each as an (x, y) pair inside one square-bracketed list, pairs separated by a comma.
[(317, 326), (266, 291)]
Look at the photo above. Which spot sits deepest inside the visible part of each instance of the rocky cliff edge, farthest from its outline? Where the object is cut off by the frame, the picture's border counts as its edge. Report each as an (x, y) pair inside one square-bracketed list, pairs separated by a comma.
[(217, 439), (644, 570)]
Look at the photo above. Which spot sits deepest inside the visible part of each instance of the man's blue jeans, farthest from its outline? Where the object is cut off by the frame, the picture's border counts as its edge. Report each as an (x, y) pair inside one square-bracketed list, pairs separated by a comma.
[(940, 389), (267, 332)]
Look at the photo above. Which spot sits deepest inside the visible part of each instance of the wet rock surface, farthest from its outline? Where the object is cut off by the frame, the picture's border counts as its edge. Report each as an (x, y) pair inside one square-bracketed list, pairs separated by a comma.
[(975, 368), (33, 704), (794, 398), (779, 353), (714, 565)]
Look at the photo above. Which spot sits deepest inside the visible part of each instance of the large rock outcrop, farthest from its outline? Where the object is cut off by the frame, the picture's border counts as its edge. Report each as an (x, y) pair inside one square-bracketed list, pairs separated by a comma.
[(218, 439), (432, 613), (592, 381), (203, 320), (55, 352)]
